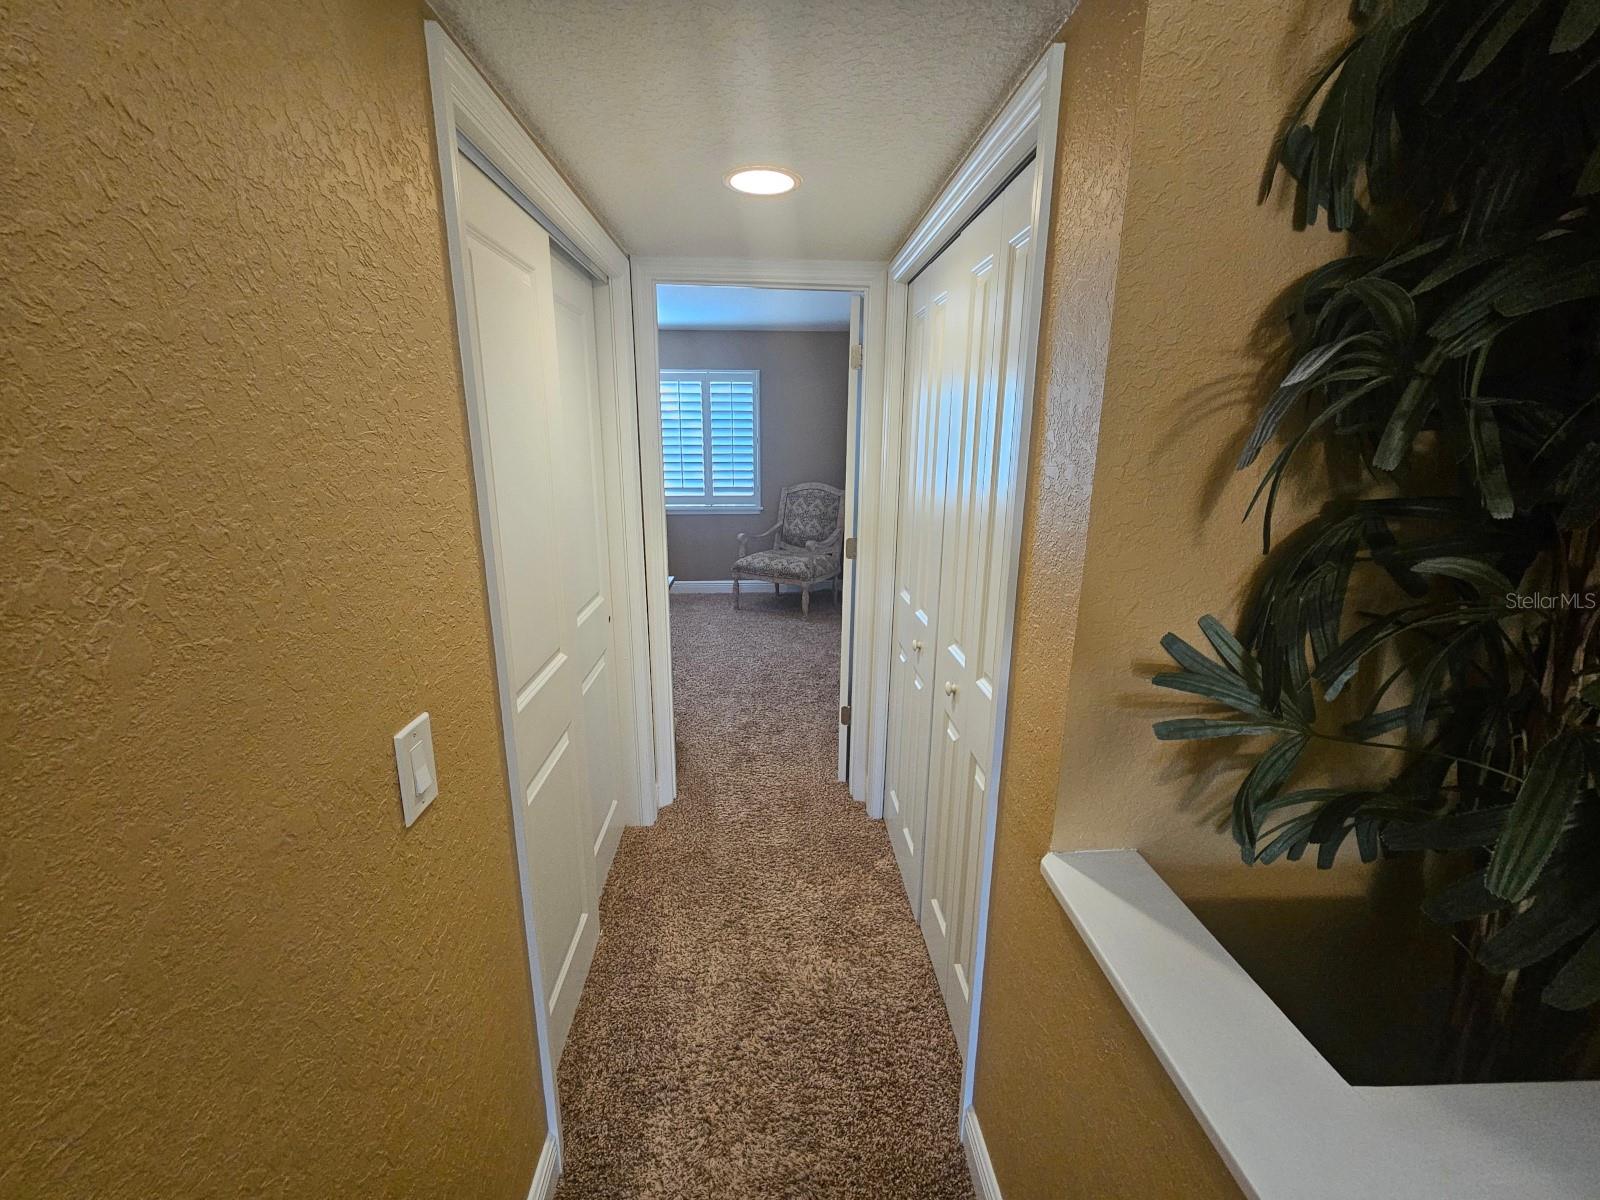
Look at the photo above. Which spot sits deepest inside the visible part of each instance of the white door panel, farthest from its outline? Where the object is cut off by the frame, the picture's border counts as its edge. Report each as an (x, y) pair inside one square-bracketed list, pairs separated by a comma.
[(906, 775), (586, 565), (553, 817), (513, 333), (969, 363), (916, 583)]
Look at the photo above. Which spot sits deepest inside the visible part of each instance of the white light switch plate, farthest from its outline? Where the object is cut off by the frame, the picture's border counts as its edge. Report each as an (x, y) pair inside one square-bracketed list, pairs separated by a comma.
[(413, 759)]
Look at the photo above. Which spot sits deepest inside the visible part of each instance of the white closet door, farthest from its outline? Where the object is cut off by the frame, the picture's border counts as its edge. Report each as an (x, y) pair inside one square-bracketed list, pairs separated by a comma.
[(935, 317), (511, 315), (980, 487), (587, 562)]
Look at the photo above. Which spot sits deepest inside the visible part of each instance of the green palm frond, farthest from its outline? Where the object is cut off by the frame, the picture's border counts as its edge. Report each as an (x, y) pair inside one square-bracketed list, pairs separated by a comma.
[(1455, 354)]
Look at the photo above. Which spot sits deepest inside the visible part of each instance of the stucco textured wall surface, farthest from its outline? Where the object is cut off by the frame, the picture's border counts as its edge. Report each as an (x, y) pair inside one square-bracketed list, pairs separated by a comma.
[(1160, 266), (1197, 329), (241, 550), (803, 403)]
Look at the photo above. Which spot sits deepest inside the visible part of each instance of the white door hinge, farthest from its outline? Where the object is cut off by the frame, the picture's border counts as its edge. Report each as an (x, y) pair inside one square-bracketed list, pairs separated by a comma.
[(855, 357), (849, 547)]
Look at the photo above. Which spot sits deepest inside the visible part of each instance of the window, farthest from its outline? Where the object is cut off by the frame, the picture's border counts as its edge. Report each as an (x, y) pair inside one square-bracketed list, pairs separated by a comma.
[(711, 440)]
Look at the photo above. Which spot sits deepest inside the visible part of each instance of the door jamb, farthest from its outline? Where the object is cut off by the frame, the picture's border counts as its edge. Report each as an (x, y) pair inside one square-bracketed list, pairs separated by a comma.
[(465, 104), (874, 548), (1027, 125)]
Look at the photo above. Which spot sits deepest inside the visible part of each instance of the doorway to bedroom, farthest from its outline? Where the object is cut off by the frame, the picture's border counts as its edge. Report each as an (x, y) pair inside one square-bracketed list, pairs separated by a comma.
[(757, 416)]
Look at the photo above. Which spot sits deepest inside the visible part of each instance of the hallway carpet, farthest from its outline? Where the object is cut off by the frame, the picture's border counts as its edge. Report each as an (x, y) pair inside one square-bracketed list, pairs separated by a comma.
[(761, 1019)]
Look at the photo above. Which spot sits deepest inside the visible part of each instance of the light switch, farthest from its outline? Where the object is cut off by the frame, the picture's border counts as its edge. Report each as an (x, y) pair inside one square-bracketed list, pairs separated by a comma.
[(413, 758), (422, 769)]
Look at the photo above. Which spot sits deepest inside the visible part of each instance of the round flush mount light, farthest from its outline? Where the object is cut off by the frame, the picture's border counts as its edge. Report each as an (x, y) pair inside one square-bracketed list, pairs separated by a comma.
[(762, 181)]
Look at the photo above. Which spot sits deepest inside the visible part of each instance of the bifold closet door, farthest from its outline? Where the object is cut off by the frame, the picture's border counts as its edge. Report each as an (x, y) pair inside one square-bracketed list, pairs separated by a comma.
[(959, 492), (934, 314), (982, 493), (524, 438)]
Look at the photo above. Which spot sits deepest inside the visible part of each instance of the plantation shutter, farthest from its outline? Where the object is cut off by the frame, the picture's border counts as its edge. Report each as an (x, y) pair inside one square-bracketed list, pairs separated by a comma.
[(733, 435), (711, 439), (683, 462)]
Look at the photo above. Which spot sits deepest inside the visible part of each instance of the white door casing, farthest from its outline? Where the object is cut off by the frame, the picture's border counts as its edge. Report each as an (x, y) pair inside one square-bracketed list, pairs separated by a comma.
[(512, 334), (586, 564), (852, 526), (869, 282)]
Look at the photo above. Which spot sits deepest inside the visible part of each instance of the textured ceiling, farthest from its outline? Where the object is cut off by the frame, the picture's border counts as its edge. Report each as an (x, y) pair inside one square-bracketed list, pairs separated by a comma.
[(646, 106), (689, 306)]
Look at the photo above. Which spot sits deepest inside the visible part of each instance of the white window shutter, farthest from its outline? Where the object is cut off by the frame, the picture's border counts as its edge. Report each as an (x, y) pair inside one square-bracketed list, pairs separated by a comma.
[(711, 439), (683, 465), (733, 436)]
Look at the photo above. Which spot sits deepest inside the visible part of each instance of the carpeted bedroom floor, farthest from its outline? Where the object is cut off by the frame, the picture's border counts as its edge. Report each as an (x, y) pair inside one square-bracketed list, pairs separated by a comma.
[(761, 1019)]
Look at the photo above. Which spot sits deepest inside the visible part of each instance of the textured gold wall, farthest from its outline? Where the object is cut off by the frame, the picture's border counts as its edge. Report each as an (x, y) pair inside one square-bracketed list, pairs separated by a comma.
[(1160, 268), (240, 551)]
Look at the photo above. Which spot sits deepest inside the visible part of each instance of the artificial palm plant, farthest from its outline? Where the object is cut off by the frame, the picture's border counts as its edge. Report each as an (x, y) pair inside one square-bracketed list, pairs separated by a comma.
[(1444, 616)]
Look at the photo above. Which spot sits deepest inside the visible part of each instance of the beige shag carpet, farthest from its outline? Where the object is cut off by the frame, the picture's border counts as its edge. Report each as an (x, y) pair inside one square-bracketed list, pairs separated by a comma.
[(761, 1019)]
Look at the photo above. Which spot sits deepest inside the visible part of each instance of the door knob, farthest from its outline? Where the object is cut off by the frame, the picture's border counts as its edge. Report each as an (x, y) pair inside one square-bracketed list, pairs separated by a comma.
[(949, 688), (916, 647)]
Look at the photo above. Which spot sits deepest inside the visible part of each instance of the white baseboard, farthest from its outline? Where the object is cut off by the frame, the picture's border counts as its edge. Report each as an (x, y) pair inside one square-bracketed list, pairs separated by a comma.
[(702, 585), (547, 1172), (979, 1167)]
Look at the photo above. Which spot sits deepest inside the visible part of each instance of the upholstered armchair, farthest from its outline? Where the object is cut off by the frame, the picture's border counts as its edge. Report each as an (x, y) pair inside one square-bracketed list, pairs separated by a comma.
[(806, 544)]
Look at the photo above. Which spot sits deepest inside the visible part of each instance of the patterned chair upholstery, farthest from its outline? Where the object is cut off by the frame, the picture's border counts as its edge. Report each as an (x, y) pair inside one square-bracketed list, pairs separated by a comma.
[(806, 544)]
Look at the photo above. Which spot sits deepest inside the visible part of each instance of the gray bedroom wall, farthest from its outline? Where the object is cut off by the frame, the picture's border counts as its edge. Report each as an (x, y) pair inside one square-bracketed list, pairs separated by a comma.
[(802, 429)]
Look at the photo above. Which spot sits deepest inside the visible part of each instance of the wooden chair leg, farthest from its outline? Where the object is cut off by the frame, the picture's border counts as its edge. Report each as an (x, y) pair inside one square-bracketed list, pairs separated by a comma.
[(805, 600), (736, 593), (777, 588)]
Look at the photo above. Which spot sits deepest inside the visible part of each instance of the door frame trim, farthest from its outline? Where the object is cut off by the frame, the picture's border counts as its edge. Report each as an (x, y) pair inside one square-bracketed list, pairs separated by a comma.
[(871, 280), (464, 104), (1026, 126)]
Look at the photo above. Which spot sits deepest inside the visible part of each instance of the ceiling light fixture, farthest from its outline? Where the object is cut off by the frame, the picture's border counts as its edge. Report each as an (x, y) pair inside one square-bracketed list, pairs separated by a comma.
[(762, 181)]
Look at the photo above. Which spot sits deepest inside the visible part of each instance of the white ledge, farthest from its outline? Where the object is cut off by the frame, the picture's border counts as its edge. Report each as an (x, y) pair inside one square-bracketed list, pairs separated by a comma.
[(1286, 1123)]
